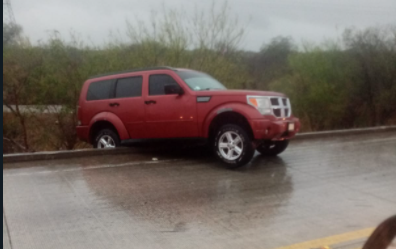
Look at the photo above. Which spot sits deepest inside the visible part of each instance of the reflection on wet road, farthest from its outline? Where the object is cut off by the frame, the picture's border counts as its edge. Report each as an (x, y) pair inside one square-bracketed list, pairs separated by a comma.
[(317, 188)]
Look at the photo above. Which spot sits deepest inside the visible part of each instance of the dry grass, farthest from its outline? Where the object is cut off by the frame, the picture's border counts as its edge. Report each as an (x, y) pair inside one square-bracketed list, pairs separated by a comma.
[(43, 132)]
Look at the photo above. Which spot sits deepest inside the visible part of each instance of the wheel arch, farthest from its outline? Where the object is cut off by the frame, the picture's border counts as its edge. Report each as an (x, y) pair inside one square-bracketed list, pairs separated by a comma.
[(243, 111), (228, 117), (107, 120)]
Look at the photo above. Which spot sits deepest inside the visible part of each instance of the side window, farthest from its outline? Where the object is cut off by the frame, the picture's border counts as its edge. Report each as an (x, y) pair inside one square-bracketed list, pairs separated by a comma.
[(99, 90), (157, 82), (129, 87)]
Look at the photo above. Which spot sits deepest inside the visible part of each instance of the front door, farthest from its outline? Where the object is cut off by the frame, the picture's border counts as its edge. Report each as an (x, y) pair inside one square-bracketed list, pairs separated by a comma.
[(168, 116)]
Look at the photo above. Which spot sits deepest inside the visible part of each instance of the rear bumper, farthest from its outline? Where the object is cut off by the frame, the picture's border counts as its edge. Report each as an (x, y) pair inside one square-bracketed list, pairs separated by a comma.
[(274, 129), (83, 133)]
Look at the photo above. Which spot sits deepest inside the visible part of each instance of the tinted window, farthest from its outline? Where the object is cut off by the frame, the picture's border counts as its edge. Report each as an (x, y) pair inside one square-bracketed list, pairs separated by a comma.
[(158, 82), (99, 90), (129, 87)]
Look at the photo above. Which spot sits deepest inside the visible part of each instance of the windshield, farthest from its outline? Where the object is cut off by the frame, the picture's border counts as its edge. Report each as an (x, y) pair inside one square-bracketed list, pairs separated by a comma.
[(199, 81)]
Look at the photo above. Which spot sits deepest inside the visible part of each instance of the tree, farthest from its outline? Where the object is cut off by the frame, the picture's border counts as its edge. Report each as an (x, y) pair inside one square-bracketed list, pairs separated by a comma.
[(374, 87), (271, 62), (11, 34), (19, 68)]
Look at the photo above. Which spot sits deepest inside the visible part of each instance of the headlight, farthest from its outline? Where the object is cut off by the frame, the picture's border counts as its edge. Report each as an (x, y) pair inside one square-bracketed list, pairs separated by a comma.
[(262, 104)]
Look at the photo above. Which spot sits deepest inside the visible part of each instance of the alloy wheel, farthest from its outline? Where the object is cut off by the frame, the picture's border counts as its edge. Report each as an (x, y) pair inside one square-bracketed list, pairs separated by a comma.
[(230, 145), (106, 141)]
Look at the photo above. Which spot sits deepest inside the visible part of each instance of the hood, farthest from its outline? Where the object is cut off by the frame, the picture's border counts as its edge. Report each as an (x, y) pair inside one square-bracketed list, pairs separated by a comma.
[(237, 93)]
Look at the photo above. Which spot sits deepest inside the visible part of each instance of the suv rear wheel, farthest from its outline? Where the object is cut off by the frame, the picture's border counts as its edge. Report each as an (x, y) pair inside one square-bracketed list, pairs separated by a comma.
[(272, 148), (106, 138), (233, 146)]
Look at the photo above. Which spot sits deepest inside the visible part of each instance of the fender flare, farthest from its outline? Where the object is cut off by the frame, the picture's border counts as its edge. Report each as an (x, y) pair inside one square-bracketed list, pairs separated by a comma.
[(243, 109), (114, 120)]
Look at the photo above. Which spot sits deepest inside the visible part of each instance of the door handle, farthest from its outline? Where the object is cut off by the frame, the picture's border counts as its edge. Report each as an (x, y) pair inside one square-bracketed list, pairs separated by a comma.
[(114, 104), (150, 102)]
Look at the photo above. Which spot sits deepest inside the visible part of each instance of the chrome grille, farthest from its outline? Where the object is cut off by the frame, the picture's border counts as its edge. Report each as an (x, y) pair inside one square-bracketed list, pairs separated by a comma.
[(274, 101), (280, 107), (277, 112)]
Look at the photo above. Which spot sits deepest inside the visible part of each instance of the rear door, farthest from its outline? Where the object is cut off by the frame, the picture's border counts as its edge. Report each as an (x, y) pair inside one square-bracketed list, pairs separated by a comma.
[(169, 116), (128, 104), (95, 100)]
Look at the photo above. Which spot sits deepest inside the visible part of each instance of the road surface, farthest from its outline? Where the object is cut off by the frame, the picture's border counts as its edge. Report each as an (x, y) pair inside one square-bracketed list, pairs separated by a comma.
[(323, 192)]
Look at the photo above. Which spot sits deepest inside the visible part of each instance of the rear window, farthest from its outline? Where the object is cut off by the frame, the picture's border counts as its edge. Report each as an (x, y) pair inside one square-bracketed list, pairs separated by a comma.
[(99, 90), (129, 87)]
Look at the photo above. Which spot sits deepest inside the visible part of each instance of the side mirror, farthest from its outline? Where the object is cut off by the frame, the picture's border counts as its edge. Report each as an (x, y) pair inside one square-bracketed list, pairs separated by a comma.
[(173, 89)]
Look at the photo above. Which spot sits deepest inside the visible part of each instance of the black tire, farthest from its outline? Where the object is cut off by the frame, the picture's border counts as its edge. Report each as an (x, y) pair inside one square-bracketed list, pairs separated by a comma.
[(272, 148), (245, 146), (104, 133)]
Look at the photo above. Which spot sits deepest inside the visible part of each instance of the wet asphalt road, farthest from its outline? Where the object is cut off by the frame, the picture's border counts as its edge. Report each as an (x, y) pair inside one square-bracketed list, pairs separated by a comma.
[(315, 189)]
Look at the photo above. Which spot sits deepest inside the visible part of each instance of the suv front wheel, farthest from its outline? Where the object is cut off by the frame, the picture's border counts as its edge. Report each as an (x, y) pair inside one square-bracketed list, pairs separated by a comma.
[(233, 146), (105, 139)]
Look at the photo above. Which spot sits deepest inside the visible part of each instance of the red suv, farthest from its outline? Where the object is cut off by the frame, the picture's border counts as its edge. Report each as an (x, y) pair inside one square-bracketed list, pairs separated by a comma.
[(165, 102)]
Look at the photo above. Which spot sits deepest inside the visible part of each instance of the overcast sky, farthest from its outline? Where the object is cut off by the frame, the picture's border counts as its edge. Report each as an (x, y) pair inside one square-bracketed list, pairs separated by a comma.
[(311, 20)]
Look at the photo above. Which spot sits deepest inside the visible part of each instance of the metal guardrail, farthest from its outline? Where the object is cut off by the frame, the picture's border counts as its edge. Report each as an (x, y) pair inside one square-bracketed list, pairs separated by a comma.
[(44, 109), (50, 155)]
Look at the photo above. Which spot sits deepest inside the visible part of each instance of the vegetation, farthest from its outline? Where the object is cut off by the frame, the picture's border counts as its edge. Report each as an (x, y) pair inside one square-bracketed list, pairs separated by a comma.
[(346, 84)]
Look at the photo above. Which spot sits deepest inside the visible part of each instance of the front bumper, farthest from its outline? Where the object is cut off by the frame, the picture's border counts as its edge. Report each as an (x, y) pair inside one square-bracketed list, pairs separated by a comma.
[(274, 128)]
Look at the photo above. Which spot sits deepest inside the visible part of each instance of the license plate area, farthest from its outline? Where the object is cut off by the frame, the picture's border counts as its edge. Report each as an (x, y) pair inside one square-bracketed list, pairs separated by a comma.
[(290, 127)]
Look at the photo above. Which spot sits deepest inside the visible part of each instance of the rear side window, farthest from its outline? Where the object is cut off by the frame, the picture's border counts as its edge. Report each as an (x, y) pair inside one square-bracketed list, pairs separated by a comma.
[(157, 82), (99, 90), (129, 87)]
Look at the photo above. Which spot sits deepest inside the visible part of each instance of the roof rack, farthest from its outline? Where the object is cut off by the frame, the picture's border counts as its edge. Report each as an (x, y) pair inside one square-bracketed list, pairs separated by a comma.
[(133, 70)]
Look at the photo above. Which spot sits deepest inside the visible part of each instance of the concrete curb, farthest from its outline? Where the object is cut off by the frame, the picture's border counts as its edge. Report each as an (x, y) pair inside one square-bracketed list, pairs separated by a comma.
[(324, 134), (50, 155)]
